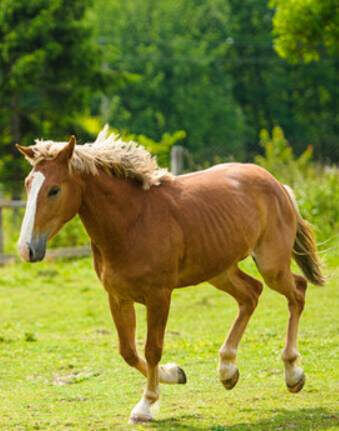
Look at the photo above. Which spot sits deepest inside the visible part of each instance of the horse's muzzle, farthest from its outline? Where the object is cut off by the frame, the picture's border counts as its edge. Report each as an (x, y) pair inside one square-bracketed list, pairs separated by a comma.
[(35, 250)]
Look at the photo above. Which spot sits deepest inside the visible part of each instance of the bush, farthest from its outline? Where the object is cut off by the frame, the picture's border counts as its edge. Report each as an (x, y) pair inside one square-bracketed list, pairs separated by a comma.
[(318, 198), (316, 187)]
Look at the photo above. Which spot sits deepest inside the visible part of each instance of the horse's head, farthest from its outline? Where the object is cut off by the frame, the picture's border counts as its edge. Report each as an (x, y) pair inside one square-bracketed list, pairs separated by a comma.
[(53, 198)]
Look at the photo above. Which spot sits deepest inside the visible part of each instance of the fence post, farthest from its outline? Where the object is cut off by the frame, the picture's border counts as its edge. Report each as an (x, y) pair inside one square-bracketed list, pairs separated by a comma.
[(177, 159)]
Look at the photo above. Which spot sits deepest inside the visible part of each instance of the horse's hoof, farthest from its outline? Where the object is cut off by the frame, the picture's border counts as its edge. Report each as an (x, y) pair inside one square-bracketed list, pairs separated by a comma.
[(230, 383), (139, 419), (182, 379), (297, 387)]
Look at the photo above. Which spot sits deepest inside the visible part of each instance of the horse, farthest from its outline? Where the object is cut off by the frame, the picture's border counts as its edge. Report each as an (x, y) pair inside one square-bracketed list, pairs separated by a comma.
[(152, 232)]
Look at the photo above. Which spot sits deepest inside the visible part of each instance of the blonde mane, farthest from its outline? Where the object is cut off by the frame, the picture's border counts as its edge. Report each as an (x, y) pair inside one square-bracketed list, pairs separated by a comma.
[(109, 153)]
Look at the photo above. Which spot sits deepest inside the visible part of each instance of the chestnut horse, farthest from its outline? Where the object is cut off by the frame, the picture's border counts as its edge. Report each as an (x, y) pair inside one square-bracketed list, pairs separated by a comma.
[(151, 233)]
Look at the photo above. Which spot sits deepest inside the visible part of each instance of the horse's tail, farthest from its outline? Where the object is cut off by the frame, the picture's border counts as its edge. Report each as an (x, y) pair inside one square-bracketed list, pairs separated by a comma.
[(305, 247)]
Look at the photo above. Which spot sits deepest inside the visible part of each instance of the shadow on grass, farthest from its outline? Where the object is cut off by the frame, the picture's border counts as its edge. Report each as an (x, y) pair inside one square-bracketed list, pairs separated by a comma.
[(281, 420)]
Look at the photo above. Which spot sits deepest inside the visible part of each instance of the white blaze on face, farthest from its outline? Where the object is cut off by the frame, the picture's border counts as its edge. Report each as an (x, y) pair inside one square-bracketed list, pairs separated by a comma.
[(29, 219)]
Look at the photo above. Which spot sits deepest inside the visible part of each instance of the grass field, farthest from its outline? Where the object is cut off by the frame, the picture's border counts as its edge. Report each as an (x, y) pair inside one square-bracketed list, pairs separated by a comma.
[(60, 369)]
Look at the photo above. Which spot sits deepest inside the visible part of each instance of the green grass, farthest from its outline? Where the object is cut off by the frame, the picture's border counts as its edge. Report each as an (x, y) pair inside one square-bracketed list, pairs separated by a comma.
[(60, 369)]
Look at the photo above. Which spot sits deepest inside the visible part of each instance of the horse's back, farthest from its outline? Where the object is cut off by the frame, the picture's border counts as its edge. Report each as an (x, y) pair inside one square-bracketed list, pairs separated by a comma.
[(243, 173), (240, 185)]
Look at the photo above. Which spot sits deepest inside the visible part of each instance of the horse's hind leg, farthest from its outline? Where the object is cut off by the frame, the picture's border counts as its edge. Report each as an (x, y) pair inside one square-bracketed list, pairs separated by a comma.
[(278, 276), (246, 291), (294, 375)]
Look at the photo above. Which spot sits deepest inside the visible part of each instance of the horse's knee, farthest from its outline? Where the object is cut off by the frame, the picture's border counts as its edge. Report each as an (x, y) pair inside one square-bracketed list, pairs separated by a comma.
[(130, 356), (153, 354)]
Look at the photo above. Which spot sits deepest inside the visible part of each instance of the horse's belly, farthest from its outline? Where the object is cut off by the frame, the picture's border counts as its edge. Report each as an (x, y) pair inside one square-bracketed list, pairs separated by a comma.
[(209, 264)]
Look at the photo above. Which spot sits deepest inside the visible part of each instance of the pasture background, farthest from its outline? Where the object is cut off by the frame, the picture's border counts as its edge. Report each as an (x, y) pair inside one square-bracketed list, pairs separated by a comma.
[(60, 369), (227, 80)]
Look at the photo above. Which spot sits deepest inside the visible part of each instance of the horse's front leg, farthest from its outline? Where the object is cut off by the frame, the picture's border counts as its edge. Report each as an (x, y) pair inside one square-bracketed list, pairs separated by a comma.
[(157, 312), (123, 314)]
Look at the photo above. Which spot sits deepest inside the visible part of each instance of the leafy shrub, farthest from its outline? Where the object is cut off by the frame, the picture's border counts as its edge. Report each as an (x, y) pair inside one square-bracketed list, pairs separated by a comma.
[(318, 198), (316, 187), (279, 158)]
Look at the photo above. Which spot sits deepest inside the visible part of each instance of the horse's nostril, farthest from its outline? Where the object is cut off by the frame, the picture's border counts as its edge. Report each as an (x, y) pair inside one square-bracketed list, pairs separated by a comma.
[(36, 248), (31, 254)]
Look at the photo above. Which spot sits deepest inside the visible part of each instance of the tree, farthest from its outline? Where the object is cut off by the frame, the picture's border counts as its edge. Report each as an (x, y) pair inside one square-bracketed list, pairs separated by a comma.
[(306, 29), (48, 63), (301, 98), (172, 58), (210, 68)]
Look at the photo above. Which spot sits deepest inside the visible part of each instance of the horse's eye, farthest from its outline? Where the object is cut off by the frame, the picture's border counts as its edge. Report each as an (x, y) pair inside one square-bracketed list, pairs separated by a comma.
[(54, 191)]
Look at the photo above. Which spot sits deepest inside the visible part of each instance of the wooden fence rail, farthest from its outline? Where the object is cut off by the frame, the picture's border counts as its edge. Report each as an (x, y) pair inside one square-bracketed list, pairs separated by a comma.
[(63, 252)]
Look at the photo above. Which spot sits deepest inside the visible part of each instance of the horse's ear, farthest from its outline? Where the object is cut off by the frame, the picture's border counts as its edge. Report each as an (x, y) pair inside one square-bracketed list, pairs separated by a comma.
[(67, 152), (26, 151)]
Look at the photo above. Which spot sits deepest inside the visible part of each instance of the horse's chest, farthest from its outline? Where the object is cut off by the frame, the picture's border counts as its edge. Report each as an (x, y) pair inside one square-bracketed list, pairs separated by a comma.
[(132, 282), (117, 285)]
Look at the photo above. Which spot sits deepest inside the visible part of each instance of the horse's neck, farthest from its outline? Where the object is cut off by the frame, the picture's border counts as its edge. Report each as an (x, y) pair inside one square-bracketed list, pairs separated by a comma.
[(109, 207)]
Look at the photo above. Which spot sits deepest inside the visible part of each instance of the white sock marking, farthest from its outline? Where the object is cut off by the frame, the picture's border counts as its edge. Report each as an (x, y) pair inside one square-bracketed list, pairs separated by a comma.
[(29, 219), (168, 373), (141, 412)]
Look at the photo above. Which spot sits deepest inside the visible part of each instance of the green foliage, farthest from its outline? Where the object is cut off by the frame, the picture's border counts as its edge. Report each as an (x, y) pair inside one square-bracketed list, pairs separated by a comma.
[(172, 59), (316, 187), (279, 158), (48, 62), (318, 198), (306, 30), (301, 98)]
